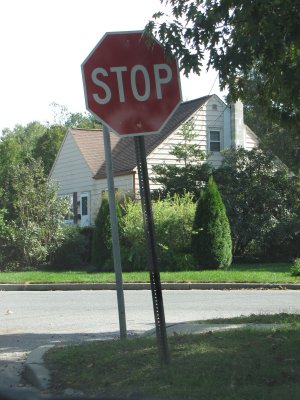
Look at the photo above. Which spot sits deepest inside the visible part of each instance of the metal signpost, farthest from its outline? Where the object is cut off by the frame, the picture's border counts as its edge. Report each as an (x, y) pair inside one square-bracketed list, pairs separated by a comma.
[(133, 89), (114, 232), (157, 300)]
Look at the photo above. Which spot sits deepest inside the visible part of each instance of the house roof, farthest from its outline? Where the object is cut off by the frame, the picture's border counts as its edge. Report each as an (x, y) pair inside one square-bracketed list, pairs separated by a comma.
[(91, 145), (90, 142)]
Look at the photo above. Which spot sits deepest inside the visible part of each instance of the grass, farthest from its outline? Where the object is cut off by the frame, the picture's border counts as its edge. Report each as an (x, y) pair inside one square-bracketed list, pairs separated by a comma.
[(239, 364), (261, 273), (282, 318)]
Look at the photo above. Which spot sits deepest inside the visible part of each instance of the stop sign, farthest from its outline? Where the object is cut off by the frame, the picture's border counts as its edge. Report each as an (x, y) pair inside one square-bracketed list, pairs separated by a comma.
[(129, 83)]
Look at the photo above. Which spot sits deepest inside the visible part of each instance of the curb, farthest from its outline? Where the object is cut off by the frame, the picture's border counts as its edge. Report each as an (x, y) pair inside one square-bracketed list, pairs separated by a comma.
[(188, 328), (146, 286), (34, 371)]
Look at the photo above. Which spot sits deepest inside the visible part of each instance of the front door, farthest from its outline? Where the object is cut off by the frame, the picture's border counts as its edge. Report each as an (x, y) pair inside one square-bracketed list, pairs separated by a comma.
[(85, 209)]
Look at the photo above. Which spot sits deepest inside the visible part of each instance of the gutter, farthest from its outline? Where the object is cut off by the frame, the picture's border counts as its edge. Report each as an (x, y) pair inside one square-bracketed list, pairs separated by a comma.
[(146, 286)]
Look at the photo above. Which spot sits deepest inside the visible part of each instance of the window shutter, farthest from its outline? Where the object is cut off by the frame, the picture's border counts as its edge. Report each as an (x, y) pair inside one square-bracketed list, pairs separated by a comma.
[(75, 211)]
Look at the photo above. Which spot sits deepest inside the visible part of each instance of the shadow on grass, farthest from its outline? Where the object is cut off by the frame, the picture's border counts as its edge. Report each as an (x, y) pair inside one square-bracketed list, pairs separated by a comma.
[(223, 365)]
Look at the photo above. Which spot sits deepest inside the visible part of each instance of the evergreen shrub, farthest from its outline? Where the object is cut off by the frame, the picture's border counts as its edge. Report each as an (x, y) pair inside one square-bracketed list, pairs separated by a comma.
[(211, 238), (102, 258)]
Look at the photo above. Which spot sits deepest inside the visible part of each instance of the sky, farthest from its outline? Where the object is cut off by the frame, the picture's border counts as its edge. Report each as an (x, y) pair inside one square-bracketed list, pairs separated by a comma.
[(44, 42)]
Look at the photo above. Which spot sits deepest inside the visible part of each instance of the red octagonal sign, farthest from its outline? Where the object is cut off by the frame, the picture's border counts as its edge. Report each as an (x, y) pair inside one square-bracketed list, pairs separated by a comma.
[(130, 85)]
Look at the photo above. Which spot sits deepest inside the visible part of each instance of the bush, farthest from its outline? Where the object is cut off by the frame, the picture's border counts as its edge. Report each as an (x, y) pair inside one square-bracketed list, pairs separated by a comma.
[(102, 258), (262, 203), (72, 252), (173, 219), (295, 268), (133, 248), (9, 257), (36, 216), (283, 241), (211, 240), (88, 233)]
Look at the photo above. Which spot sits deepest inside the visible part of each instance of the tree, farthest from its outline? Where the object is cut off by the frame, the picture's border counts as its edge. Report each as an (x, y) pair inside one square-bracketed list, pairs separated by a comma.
[(10, 157), (211, 240), (83, 121), (261, 198), (25, 137), (39, 141), (277, 132), (17, 145), (241, 37), (48, 144), (16, 148), (38, 214), (190, 172), (6, 241), (63, 117)]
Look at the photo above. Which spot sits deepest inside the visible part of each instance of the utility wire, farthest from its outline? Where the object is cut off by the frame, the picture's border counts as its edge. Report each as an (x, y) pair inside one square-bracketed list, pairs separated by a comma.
[(217, 76)]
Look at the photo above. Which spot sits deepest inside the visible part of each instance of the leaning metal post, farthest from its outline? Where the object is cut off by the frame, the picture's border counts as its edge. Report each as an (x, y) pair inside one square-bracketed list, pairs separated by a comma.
[(160, 324), (114, 232)]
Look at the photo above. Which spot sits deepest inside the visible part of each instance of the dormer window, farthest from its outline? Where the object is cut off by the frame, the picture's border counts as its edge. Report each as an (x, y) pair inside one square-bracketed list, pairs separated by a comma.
[(215, 140)]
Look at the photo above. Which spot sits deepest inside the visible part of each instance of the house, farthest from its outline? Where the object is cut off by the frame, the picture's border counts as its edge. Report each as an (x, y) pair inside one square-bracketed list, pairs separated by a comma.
[(79, 167)]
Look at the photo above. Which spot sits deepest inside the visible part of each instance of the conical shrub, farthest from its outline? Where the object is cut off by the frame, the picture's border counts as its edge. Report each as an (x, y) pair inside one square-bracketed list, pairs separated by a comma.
[(102, 241), (211, 238)]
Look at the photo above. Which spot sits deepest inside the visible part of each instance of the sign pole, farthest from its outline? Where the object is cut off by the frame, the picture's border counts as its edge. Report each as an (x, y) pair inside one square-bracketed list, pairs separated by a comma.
[(159, 315), (133, 89), (114, 232)]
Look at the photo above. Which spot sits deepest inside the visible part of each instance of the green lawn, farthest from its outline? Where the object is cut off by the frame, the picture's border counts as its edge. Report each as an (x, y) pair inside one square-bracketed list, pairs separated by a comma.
[(269, 273), (229, 365), (282, 318)]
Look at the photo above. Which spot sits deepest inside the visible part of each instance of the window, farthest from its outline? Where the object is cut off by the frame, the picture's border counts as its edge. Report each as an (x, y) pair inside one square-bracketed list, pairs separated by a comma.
[(215, 107), (69, 217), (84, 205), (215, 141)]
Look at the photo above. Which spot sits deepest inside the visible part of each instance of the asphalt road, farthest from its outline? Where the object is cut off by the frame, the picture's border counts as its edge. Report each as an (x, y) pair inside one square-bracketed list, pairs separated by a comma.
[(31, 319)]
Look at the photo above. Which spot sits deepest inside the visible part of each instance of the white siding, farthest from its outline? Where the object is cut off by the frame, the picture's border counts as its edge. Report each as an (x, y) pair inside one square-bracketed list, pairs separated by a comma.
[(215, 120), (251, 139), (70, 169), (73, 175), (209, 117), (124, 184)]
